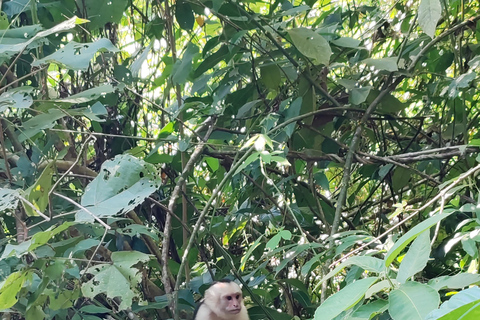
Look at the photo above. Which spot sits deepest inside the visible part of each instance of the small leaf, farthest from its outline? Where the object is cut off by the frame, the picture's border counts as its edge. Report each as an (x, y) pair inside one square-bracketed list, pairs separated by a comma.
[(388, 64), (311, 44), (429, 12)]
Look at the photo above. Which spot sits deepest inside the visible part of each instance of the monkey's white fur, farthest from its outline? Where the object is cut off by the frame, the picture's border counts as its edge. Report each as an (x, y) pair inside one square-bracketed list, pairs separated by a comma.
[(223, 301)]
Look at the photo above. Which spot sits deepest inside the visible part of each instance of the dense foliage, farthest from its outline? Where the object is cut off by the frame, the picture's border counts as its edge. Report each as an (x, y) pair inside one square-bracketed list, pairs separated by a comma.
[(323, 153)]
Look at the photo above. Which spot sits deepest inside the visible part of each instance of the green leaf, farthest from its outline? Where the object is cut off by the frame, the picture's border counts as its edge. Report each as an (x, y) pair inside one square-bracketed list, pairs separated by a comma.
[(311, 45), (368, 311), (88, 95), (359, 95), (183, 67), (344, 299), (8, 199), (412, 301), (10, 289), (413, 233), (77, 56), (37, 194), (347, 42), (9, 48), (16, 98), (365, 262), (211, 61), (103, 12), (429, 12), (388, 64), (464, 305), (184, 15), (457, 281), (122, 184), (117, 280), (270, 75), (416, 258)]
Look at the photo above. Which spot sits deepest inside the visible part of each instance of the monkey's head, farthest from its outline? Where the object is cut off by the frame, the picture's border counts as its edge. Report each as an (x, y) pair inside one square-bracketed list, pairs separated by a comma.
[(227, 296)]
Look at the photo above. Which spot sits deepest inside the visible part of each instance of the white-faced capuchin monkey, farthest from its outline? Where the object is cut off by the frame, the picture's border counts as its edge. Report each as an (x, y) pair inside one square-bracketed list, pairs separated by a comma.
[(223, 301)]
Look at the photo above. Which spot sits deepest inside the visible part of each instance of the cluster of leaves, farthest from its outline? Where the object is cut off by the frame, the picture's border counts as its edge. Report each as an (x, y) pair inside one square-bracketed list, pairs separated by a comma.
[(324, 153)]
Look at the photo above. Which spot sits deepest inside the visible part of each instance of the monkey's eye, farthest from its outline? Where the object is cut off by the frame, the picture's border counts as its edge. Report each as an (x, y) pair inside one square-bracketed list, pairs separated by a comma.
[(229, 297), (238, 296)]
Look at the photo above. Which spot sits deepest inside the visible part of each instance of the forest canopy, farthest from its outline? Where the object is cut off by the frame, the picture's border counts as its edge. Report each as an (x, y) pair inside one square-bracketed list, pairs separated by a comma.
[(322, 154)]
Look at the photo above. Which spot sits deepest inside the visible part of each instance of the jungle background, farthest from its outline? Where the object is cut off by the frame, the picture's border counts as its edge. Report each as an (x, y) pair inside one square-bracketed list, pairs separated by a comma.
[(323, 154)]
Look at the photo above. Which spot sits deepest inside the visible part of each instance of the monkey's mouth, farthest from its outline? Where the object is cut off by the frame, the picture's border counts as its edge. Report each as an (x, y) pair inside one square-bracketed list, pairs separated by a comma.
[(235, 311)]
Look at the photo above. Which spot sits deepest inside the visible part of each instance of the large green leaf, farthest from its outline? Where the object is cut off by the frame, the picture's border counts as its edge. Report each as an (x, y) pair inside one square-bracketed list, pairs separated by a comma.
[(429, 12), (17, 98), (122, 184), (102, 12), (116, 280), (457, 281), (412, 301), (464, 305), (16, 45), (77, 56), (344, 299), (311, 45), (371, 264), (412, 234), (416, 258), (10, 288)]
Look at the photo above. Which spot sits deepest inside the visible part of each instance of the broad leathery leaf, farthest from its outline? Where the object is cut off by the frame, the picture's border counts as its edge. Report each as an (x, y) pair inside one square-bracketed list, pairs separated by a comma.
[(429, 12), (311, 45), (388, 64), (271, 76), (344, 299), (367, 311), (463, 305), (457, 281), (359, 95), (43, 237), (10, 48), (77, 56), (183, 67), (400, 178), (103, 12), (412, 301), (8, 199), (184, 15), (416, 258), (371, 264), (122, 184), (117, 280), (10, 288), (16, 98), (413, 233), (211, 61)]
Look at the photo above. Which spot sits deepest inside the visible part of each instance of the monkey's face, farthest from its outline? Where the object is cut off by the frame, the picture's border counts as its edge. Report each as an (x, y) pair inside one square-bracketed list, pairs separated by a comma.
[(232, 303)]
